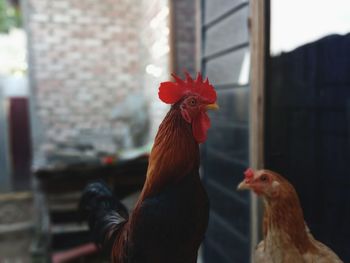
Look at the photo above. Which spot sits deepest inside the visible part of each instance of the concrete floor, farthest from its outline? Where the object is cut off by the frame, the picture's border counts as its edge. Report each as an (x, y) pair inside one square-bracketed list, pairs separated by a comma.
[(16, 227)]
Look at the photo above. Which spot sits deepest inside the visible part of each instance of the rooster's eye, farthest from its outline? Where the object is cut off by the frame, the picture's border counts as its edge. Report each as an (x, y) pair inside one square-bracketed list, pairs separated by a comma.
[(193, 102), (263, 178)]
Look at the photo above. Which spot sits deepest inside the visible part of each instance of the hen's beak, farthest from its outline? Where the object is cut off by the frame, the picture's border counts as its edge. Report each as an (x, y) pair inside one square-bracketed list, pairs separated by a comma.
[(213, 106), (243, 186)]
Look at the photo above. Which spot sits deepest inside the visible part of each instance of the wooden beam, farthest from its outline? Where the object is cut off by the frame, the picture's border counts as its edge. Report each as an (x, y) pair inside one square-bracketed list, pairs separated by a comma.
[(172, 38), (198, 30), (16, 196), (257, 27)]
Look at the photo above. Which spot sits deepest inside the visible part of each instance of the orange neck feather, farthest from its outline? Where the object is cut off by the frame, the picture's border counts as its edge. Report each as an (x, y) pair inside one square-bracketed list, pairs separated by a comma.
[(285, 215), (175, 153)]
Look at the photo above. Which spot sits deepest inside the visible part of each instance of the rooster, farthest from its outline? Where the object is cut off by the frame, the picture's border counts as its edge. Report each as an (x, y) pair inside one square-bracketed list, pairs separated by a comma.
[(171, 215), (287, 239)]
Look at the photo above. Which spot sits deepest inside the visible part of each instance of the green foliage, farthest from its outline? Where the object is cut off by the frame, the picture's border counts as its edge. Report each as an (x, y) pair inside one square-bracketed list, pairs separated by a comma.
[(9, 17), (3, 16)]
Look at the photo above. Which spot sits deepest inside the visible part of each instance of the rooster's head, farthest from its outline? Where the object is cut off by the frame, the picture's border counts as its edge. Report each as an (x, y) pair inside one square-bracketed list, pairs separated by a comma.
[(193, 98), (262, 182)]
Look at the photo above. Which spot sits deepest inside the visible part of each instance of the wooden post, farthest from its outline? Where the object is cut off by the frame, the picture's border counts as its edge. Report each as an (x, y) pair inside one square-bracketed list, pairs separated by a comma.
[(257, 42), (5, 179)]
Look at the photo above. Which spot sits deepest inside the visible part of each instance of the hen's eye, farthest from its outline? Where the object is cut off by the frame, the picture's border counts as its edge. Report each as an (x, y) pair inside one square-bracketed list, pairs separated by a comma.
[(193, 102), (263, 178)]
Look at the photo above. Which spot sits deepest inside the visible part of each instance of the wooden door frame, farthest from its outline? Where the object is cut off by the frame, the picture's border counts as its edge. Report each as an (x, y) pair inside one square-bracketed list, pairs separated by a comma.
[(259, 43), (258, 46)]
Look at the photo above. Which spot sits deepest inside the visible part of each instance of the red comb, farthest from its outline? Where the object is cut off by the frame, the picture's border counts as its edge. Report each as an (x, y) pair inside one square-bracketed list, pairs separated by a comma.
[(172, 92), (249, 173)]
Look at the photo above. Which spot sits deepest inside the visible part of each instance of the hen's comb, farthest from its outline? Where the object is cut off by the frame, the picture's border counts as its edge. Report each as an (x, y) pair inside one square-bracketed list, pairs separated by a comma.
[(249, 173), (172, 92)]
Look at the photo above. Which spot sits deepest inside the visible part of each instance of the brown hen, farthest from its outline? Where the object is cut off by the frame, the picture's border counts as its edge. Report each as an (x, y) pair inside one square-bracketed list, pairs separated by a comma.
[(287, 238)]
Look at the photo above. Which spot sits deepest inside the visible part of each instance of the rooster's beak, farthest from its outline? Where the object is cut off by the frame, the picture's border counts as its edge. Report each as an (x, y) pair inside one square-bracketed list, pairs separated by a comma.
[(213, 106), (243, 186)]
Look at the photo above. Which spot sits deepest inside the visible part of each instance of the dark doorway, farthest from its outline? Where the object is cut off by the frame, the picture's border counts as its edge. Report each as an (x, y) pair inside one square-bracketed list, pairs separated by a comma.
[(19, 133), (307, 129)]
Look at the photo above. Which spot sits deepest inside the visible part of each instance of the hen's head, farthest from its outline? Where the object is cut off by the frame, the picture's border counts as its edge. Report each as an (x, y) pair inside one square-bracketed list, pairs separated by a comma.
[(193, 98), (262, 182)]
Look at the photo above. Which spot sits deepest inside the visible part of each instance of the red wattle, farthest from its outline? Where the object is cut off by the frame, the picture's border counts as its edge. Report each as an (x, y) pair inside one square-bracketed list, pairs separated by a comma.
[(200, 126)]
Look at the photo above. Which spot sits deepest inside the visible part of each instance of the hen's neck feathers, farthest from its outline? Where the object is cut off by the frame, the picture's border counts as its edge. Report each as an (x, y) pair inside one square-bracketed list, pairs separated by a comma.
[(175, 153), (285, 218)]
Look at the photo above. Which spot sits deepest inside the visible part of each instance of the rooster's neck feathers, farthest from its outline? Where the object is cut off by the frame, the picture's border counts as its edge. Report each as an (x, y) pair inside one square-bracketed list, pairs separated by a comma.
[(175, 153), (284, 216)]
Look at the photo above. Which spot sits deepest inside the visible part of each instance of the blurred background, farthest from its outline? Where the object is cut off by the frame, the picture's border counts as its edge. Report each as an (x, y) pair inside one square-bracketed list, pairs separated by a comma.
[(78, 101)]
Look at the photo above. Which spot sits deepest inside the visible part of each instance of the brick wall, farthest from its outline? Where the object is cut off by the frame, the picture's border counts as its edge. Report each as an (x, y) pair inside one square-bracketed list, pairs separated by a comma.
[(84, 58)]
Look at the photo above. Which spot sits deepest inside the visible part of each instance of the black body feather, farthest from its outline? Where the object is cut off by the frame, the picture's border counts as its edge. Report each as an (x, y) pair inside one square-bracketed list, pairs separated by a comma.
[(104, 213), (167, 227), (170, 226)]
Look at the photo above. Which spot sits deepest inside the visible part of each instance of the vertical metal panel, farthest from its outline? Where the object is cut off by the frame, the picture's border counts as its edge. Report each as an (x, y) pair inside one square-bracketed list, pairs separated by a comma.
[(226, 68), (216, 8), (226, 152), (229, 31)]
